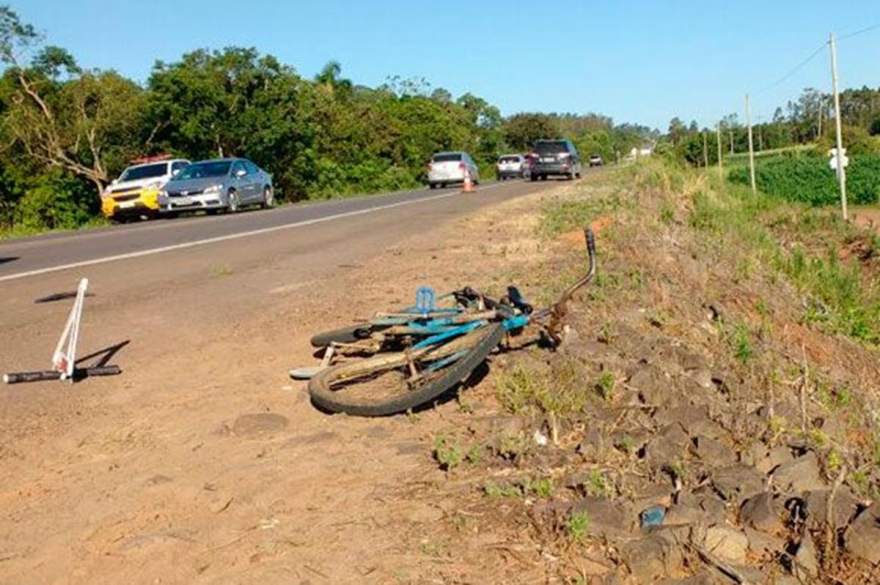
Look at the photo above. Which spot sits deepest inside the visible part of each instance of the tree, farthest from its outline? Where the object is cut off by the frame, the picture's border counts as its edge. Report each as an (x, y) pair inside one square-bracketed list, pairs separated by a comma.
[(83, 124), (522, 130)]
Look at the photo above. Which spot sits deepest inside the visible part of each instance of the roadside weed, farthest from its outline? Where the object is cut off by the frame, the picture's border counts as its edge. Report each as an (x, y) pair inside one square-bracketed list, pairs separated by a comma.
[(605, 385), (448, 454), (576, 527)]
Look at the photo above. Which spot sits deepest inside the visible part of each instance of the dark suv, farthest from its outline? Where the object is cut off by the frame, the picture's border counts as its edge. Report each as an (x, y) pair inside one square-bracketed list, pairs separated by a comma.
[(555, 157)]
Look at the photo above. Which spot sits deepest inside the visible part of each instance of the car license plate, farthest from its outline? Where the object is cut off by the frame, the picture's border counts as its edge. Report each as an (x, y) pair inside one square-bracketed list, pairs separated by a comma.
[(548, 160), (127, 204), (183, 201)]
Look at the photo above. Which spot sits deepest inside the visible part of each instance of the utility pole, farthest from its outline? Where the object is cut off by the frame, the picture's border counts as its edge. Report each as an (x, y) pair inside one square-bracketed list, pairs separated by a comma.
[(718, 135), (841, 173), (751, 146), (731, 140), (705, 151)]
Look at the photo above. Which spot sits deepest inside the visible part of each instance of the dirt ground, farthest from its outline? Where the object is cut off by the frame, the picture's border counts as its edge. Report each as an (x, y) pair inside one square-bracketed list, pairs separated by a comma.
[(210, 466)]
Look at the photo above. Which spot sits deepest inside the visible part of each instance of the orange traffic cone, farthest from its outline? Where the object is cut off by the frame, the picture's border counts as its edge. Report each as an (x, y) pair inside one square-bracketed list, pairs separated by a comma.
[(468, 184)]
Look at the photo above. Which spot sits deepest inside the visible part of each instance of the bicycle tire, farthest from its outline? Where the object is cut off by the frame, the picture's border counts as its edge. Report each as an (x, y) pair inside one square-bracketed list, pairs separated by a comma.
[(326, 398), (348, 334)]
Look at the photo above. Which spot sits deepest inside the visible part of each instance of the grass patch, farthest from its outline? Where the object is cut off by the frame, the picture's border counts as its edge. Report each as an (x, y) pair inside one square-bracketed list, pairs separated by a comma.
[(564, 215), (576, 527), (555, 391)]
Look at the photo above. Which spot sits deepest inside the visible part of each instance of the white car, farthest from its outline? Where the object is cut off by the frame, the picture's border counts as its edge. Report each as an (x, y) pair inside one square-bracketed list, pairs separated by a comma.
[(136, 191), (447, 168), (510, 166)]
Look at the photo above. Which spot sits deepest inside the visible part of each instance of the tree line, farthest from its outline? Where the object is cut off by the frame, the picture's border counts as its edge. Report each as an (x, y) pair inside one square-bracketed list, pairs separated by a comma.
[(808, 120), (67, 131)]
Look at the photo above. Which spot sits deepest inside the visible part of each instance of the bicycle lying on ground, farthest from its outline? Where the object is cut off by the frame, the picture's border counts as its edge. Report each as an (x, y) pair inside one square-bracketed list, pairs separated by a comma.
[(405, 359)]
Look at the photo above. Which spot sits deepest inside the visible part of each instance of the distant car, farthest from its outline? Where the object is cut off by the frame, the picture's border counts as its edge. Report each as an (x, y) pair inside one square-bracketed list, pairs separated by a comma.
[(555, 157), (509, 166), (219, 184), (447, 168), (596, 160), (136, 191)]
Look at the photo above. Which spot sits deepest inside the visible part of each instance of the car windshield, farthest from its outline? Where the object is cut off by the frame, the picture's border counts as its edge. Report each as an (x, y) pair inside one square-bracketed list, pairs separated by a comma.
[(551, 147), (144, 172), (509, 159), (447, 157), (204, 169)]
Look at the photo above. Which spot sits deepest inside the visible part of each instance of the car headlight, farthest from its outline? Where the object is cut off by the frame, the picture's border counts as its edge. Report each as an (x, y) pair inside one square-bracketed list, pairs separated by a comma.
[(213, 189), (154, 185)]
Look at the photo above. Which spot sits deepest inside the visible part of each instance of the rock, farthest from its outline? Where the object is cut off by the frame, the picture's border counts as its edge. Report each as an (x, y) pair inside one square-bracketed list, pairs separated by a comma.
[(713, 509), (712, 451), (680, 515), (688, 360), (652, 494), (726, 543), (686, 416), (652, 384), (668, 447), (799, 475), (766, 461), (703, 378), (763, 513), (652, 557), (698, 579), (593, 446), (845, 507), (764, 545), (863, 535), (248, 425), (606, 519), (737, 482), (805, 559)]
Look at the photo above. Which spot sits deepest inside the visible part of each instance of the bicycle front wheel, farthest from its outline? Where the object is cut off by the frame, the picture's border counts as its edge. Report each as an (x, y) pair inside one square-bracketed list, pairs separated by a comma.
[(396, 382)]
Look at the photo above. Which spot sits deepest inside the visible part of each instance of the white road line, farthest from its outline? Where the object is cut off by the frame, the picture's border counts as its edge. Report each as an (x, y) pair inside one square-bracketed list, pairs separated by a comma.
[(216, 239)]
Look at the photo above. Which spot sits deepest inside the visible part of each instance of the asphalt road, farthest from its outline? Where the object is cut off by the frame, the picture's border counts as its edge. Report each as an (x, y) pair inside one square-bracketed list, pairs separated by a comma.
[(189, 275), (51, 253)]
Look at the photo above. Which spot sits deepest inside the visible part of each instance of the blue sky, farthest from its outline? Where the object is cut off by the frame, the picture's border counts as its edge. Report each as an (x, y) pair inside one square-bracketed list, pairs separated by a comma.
[(637, 61)]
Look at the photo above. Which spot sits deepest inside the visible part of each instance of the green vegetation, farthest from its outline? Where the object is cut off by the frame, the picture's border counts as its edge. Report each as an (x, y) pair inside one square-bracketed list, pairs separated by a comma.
[(68, 131), (559, 216), (448, 454), (741, 343), (839, 296), (605, 385), (802, 126), (576, 526), (598, 485), (809, 179), (557, 391)]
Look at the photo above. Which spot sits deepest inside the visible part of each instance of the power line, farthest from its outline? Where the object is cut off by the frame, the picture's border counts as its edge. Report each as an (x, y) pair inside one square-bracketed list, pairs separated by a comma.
[(860, 32), (794, 69)]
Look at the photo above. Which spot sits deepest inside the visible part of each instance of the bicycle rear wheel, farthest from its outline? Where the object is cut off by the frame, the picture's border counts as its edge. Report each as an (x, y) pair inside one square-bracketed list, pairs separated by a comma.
[(384, 384)]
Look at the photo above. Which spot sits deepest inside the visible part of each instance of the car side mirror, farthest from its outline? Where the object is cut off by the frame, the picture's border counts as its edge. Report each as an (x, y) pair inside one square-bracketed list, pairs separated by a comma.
[(175, 172), (114, 181), (240, 173)]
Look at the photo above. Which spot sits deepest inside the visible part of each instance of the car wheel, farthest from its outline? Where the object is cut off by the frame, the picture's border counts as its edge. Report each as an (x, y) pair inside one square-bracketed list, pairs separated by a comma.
[(233, 202), (533, 178), (432, 185), (268, 197)]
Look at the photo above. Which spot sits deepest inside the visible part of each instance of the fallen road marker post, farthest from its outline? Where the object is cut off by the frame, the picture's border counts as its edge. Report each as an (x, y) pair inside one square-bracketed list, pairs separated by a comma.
[(64, 356)]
